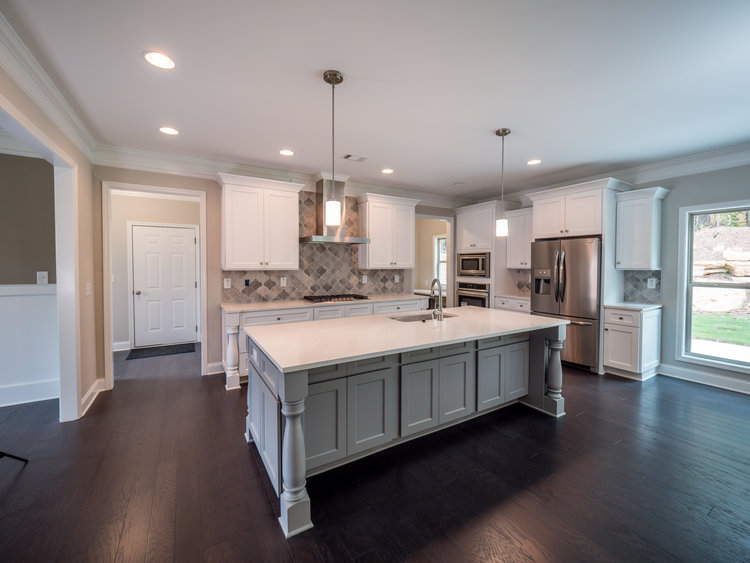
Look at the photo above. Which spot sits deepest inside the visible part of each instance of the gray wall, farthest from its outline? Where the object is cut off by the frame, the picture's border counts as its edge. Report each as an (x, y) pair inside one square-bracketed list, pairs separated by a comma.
[(27, 219), (708, 188)]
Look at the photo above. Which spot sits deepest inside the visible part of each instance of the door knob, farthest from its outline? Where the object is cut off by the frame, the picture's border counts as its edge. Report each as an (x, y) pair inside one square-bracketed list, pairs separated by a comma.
[(137, 291)]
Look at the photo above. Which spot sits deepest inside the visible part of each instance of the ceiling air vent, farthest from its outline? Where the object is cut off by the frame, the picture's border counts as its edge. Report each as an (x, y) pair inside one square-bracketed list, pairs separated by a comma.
[(355, 158)]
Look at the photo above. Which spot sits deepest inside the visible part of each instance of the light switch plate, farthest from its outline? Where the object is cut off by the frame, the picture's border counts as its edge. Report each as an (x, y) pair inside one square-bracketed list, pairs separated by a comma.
[(42, 277), (227, 283), (396, 278), (283, 282), (364, 279), (651, 283)]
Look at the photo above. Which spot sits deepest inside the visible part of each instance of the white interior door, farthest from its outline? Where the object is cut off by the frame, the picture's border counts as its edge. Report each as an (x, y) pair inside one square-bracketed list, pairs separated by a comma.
[(164, 285)]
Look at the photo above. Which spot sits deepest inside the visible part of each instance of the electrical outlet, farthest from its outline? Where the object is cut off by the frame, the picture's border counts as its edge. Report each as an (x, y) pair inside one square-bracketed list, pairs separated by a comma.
[(651, 283), (283, 282), (227, 283), (42, 277), (247, 283), (364, 279), (396, 278)]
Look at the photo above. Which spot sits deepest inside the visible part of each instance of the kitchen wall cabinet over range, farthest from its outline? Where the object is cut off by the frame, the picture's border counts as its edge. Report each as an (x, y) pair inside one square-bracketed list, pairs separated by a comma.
[(518, 241), (389, 223), (259, 224), (632, 340), (638, 229), (571, 211)]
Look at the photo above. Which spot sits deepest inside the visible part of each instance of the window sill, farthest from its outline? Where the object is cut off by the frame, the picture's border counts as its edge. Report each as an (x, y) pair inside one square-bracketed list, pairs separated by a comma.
[(706, 361)]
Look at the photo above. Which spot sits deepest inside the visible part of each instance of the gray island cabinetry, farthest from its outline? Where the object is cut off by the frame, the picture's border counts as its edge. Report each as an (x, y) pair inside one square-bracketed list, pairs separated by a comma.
[(324, 393)]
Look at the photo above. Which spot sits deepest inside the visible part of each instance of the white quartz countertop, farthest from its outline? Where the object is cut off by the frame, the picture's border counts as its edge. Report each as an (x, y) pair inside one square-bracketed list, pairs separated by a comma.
[(306, 345), (633, 306), (296, 303)]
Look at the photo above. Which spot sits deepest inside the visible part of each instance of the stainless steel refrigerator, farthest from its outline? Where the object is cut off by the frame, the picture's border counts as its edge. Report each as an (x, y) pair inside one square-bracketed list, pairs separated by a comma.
[(566, 274)]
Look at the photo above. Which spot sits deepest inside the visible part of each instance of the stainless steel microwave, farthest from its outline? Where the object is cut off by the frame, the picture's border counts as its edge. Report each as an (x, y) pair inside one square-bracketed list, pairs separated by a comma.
[(476, 264)]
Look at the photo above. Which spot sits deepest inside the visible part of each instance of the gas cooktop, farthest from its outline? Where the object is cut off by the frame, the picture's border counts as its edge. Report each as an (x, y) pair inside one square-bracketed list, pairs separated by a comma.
[(328, 298)]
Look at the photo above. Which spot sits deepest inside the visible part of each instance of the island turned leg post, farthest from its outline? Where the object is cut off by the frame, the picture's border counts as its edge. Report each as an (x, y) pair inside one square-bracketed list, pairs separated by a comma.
[(545, 371), (232, 358), (295, 503), (554, 370)]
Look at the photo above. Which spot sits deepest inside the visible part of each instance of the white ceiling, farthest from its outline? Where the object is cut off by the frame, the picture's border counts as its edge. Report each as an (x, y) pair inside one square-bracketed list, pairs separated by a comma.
[(589, 86)]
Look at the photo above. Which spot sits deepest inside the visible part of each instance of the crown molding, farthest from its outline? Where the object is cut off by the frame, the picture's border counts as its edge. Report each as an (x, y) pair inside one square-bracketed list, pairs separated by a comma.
[(28, 74)]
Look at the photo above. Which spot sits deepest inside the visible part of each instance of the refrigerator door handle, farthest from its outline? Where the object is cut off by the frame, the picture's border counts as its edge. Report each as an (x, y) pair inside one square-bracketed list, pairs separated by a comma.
[(581, 323), (563, 277), (555, 276)]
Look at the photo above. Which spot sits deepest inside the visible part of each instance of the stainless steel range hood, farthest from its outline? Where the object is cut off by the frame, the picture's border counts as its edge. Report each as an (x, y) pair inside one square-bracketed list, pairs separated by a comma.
[(327, 189)]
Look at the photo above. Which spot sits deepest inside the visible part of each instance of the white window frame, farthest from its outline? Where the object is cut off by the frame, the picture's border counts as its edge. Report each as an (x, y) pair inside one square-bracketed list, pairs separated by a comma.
[(436, 257), (683, 256)]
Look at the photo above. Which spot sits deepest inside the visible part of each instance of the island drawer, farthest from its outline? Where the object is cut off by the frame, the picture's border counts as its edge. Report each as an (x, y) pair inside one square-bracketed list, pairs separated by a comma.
[(326, 373), (269, 372), (453, 349), (419, 355), (371, 364), (621, 317), (502, 340)]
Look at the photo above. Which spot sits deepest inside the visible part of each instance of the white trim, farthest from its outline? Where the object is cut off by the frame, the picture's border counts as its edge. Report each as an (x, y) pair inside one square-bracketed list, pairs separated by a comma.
[(249, 181), (22, 290), (10, 145), (150, 195), (129, 244), (16, 59), (28, 392), (121, 346), (380, 198), (682, 256), (108, 187), (602, 183), (214, 368), (721, 381), (88, 399)]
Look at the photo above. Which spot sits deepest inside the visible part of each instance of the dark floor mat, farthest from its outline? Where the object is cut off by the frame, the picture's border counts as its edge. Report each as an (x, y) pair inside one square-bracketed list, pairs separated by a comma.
[(161, 351)]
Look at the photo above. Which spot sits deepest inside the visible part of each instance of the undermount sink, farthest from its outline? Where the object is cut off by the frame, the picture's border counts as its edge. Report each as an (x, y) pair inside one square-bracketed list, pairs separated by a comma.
[(424, 317)]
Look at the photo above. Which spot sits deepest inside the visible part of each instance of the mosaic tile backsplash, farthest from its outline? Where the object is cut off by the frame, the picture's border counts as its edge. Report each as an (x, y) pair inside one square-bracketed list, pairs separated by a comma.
[(324, 268), (636, 290)]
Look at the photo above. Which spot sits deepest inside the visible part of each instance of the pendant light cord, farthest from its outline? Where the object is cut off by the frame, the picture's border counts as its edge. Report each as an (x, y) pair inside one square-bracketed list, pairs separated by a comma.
[(333, 137), (502, 178)]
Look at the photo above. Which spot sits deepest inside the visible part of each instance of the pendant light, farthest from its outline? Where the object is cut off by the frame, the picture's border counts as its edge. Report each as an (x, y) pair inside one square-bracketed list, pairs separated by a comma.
[(333, 206), (501, 225)]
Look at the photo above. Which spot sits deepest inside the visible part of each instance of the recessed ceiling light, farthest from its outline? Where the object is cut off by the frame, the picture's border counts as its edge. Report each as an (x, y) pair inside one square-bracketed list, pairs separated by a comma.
[(387, 171), (534, 162), (159, 60), (169, 130), (286, 152)]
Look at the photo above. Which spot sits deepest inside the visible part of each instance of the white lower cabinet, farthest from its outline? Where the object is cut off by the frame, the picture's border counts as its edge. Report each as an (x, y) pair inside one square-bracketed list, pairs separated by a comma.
[(372, 405), (632, 341), (502, 374), (399, 307), (324, 421)]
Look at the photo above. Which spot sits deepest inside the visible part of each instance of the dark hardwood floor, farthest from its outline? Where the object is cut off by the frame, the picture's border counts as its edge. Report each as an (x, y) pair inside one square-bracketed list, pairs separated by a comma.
[(159, 470)]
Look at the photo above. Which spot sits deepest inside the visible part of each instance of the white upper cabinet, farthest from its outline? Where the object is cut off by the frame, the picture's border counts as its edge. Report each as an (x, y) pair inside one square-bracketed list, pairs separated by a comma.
[(571, 211), (259, 224), (638, 229), (475, 227), (389, 224), (518, 254)]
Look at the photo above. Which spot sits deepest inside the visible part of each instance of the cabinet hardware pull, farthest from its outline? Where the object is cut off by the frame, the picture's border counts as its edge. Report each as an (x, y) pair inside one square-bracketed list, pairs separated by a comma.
[(278, 318)]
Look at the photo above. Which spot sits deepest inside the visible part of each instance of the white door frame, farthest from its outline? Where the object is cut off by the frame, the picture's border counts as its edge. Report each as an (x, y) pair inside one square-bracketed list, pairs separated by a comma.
[(108, 188), (131, 297), (66, 254)]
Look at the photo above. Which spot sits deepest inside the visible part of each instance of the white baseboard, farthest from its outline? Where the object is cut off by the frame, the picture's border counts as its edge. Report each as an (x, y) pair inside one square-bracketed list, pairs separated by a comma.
[(214, 368), (721, 381), (121, 346), (20, 393), (91, 395)]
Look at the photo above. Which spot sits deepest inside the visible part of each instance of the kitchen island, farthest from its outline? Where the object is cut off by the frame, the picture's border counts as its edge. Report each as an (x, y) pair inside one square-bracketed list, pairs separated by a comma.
[(324, 393)]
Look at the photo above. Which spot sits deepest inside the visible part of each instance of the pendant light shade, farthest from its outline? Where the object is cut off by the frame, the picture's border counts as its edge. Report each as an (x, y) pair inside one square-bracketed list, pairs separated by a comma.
[(501, 225), (333, 206)]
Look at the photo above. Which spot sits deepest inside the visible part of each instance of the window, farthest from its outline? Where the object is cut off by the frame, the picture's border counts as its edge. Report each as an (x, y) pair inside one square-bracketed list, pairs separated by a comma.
[(717, 288), (441, 259)]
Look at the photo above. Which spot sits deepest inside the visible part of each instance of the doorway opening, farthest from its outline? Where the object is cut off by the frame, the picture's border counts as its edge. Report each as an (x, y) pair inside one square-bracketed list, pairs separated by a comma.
[(433, 256)]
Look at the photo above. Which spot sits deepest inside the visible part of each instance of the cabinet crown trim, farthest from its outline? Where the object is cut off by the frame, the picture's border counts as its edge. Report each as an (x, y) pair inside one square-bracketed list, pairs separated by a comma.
[(519, 212), (380, 198), (494, 204), (656, 192), (604, 183), (263, 183)]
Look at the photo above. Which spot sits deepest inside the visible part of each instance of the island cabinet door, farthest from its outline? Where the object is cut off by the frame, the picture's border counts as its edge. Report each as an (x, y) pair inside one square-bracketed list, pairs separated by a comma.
[(419, 397), (457, 387), (372, 409), (491, 378), (324, 422), (517, 370), (265, 427)]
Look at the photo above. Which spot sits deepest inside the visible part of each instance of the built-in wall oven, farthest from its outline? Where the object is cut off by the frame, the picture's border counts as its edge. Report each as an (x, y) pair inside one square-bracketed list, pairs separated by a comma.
[(470, 293), (474, 264)]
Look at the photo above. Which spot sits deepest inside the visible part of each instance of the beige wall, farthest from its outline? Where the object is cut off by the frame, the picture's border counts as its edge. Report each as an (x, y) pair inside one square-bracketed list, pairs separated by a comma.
[(213, 237), (424, 270), (27, 219), (150, 210)]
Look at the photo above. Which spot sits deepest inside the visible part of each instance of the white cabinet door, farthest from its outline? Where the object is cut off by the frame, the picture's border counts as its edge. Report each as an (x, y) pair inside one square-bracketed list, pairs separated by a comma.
[(583, 213), (516, 370), (320, 313), (519, 239), (379, 252), (475, 229), (621, 347), (402, 232), (281, 230), (359, 310), (242, 228), (372, 409), (549, 217), (397, 307), (419, 397), (633, 243)]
